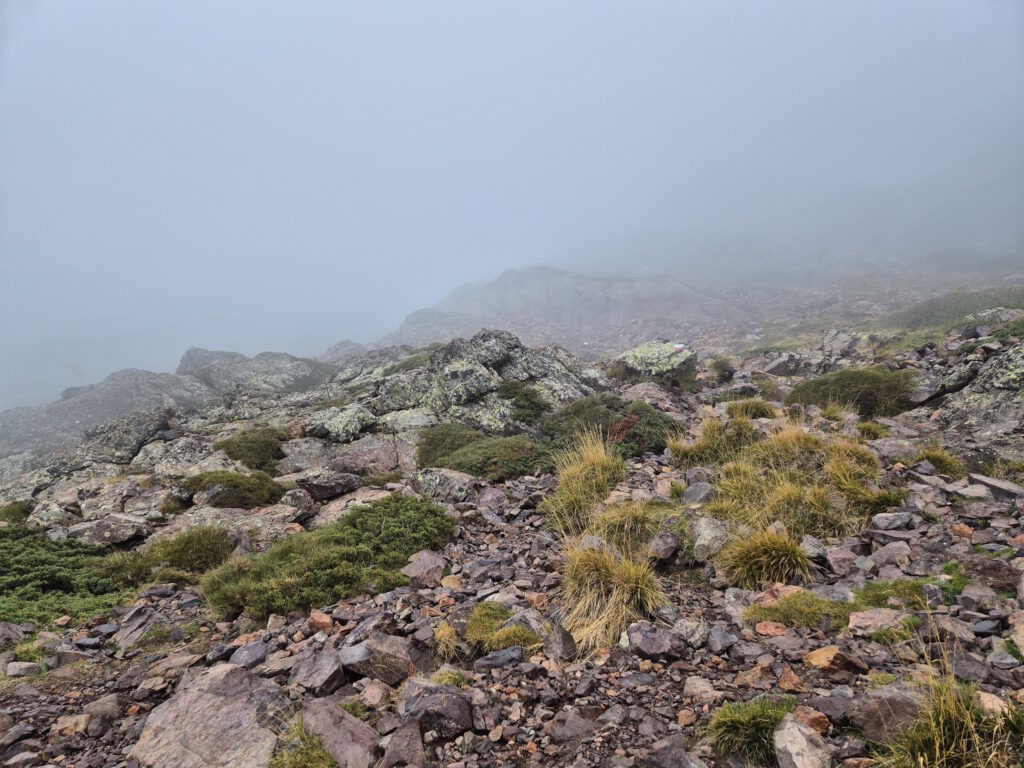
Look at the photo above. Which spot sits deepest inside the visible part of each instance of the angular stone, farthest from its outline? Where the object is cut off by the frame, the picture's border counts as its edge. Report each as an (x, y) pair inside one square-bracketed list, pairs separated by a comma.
[(425, 569), (250, 654), (883, 713), (709, 537), (320, 673), (1001, 489), (68, 725), (653, 642), (135, 625), (23, 669), (664, 545), (498, 659), (866, 623), (698, 492), (568, 725), (405, 748), (797, 745), (671, 752), (437, 707), (389, 658), (223, 716), (831, 659), (350, 741)]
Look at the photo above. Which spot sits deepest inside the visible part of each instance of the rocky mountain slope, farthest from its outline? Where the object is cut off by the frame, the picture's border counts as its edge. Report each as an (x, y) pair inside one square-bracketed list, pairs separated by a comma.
[(366, 602)]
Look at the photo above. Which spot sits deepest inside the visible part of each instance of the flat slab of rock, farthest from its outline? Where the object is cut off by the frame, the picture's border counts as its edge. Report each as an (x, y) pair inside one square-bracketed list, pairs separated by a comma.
[(223, 716), (351, 742)]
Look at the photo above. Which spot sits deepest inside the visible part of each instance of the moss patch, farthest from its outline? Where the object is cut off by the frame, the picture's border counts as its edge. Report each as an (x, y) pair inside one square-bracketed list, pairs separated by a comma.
[(258, 449)]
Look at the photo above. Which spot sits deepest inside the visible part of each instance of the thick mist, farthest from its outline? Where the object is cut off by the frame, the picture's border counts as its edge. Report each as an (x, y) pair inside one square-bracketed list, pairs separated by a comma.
[(267, 175)]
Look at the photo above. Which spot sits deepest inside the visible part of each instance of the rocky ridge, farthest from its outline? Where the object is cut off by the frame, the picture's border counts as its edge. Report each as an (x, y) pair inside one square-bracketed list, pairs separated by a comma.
[(120, 694)]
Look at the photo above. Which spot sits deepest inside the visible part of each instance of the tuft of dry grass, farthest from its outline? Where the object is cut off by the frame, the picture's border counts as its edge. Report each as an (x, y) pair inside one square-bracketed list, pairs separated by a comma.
[(446, 642), (951, 731), (605, 591), (484, 629), (717, 442), (943, 461), (588, 470), (751, 408), (765, 556), (835, 410), (629, 526)]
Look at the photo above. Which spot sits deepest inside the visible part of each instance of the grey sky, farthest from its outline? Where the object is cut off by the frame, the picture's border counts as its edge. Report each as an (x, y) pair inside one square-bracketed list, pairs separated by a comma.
[(281, 175)]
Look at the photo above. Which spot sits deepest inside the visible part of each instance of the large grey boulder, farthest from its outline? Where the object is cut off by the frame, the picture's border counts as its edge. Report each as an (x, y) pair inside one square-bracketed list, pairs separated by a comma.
[(797, 745), (225, 715), (661, 360)]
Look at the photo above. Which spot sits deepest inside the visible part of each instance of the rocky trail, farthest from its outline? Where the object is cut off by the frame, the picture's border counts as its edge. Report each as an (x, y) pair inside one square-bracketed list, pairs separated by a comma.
[(928, 585)]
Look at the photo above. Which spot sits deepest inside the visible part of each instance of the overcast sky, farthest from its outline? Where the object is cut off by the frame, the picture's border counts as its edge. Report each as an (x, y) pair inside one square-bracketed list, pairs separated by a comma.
[(281, 175)]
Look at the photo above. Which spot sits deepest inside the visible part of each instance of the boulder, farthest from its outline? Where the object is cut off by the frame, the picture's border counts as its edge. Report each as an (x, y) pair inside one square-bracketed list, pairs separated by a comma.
[(323, 484), (350, 741), (425, 569), (222, 716), (661, 360), (883, 713), (710, 535), (438, 708)]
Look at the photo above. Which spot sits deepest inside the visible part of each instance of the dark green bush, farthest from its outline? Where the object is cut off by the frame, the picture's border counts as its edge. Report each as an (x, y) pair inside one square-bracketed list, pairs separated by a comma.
[(15, 512), (500, 458), (527, 403), (636, 427), (362, 552), (230, 489), (184, 558), (42, 579), (258, 448), (443, 439), (876, 391)]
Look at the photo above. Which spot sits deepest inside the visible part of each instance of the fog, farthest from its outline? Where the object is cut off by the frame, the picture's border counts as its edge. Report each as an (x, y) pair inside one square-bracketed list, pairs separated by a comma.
[(282, 175)]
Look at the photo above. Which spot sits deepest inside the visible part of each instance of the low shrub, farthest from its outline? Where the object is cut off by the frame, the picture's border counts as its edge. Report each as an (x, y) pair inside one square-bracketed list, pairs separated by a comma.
[(747, 728), (764, 557), (15, 512), (875, 391), (361, 553), (384, 478), (604, 592), (499, 458), (636, 427), (588, 470), (528, 405), (717, 442), (230, 489), (750, 408), (258, 449), (184, 557), (944, 462), (42, 579), (441, 440)]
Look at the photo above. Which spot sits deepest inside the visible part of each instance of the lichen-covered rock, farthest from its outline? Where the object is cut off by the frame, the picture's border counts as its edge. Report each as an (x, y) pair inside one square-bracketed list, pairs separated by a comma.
[(339, 424), (228, 372), (661, 360), (987, 416)]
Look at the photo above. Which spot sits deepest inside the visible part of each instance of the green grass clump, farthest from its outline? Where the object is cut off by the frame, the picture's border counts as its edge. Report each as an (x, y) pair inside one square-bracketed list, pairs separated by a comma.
[(1006, 470), (877, 594), (230, 489), (765, 556), (485, 632), (747, 728), (894, 635), (16, 512), (181, 558), (875, 391), (1014, 330), (802, 609), (958, 579), (836, 411), (41, 579), (258, 449), (952, 732), (872, 430), (361, 553), (499, 458), (356, 708), (528, 405), (450, 677), (629, 526), (944, 462), (717, 442), (636, 427), (302, 750), (750, 408)]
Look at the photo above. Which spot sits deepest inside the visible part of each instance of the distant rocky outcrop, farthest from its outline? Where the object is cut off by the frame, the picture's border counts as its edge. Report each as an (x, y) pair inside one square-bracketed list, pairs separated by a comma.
[(267, 372), (342, 351), (47, 427), (591, 315)]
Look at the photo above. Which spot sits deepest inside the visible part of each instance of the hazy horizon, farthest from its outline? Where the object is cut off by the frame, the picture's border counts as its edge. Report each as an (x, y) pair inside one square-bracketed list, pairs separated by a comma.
[(266, 176)]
